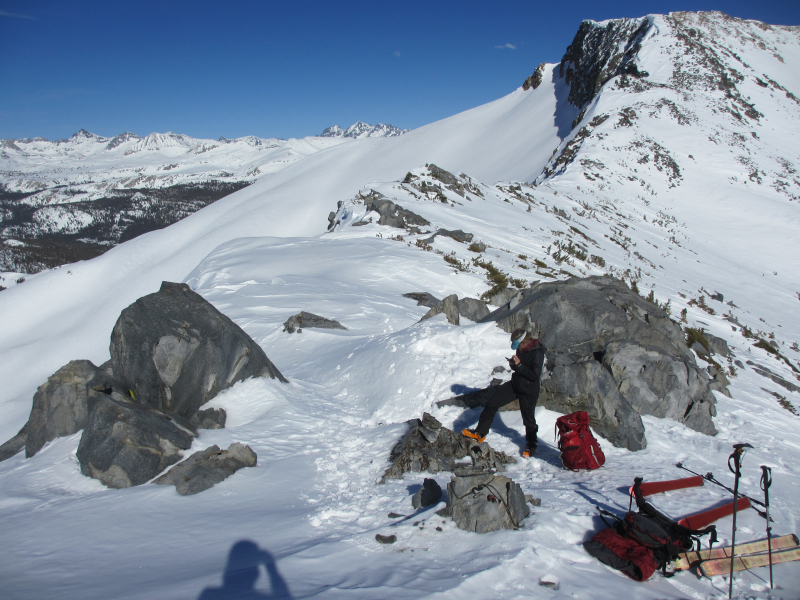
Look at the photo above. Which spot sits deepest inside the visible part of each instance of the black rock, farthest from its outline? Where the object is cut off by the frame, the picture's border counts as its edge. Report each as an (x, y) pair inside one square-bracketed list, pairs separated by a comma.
[(210, 418), (429, 493), (126, 444), (174, 351), (385, 539), (205, 469)]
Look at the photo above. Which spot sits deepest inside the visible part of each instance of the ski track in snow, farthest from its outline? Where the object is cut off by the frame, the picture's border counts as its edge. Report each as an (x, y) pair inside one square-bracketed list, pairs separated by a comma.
[(323, 440)]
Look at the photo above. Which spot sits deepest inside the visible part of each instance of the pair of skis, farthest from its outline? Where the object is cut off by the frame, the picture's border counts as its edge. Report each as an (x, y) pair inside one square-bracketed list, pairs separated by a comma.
[(717, 561)]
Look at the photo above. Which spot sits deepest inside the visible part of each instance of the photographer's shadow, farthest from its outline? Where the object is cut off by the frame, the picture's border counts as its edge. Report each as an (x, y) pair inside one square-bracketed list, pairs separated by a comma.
[(242, 572)]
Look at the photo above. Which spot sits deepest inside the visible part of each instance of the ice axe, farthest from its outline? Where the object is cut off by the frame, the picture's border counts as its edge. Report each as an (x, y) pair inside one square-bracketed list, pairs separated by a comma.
[(766, 481), (736, 456)]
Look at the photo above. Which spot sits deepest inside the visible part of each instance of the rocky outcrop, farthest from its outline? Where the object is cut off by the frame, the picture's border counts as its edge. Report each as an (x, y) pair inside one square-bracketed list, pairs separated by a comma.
[(535, 80), (61, 404), (207, 468), (613, 354), (454, 308), (392, 214), (126, 444), (304, 320), (174, 351), (15, 444), (429, 447), (448, 306), (455, 234), (484, 502), (423, 299)]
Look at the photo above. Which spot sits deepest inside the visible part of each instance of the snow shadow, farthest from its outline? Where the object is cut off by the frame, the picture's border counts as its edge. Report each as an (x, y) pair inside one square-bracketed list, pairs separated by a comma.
[(565, 112), (242, 572), (459, 389)]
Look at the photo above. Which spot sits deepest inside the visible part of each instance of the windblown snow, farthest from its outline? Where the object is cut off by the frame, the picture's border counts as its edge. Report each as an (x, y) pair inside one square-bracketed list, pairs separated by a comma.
[(661, 150)]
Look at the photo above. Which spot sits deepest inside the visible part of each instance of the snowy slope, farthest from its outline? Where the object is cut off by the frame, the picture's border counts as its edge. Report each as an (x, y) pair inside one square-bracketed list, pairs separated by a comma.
[(618, 194)]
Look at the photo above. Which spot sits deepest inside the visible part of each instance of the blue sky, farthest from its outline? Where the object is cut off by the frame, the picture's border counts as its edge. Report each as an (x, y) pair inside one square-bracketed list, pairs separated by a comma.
[(283, 69)]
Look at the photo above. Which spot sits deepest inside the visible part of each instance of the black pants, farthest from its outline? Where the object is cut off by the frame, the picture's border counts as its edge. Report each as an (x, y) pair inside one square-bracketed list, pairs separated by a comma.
[(503, 395)]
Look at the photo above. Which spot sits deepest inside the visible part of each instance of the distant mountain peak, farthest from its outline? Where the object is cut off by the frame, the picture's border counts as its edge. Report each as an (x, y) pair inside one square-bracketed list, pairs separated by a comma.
[(361, 130)]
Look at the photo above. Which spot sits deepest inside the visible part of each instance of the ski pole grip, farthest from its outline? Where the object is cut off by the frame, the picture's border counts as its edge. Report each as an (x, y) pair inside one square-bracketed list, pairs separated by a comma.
[(766, 477)]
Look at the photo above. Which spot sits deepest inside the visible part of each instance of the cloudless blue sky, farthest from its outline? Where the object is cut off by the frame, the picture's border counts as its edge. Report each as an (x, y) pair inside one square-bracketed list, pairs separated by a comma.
[(284, 69)]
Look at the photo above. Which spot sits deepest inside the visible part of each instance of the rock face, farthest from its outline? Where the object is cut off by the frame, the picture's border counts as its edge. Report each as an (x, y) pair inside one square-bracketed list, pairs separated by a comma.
[(205, 469), (126, 444), (613, 354), (448, 306), (175, 351), (429, 493), (60, 405), (485, 502), (303, 320), (427, 446)]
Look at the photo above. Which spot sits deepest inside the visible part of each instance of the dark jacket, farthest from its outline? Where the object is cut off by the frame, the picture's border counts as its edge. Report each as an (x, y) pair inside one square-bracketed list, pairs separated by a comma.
[(528, 372)]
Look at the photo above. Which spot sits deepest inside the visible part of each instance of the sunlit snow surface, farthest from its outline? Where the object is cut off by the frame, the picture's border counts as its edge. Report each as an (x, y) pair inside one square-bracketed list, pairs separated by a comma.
[(323, 440)]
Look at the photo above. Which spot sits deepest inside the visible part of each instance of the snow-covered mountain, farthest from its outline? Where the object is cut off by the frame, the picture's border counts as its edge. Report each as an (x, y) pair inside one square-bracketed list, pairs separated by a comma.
[(659, 150), (361, 130), (72, 199)]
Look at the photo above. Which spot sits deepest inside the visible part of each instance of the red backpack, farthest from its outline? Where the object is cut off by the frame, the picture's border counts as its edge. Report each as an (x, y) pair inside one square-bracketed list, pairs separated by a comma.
[(579, 449)]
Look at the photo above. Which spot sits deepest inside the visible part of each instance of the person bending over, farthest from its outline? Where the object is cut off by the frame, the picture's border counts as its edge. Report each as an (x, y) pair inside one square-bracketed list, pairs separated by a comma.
[(526, 365)]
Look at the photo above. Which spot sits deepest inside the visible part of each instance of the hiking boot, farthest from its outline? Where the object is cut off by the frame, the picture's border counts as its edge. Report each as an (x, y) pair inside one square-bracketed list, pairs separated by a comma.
[(529, 452), (473, 435)]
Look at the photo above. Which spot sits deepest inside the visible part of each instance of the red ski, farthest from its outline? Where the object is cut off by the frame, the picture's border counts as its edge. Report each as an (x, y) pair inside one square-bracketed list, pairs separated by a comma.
[(648, 488), (704, 519)]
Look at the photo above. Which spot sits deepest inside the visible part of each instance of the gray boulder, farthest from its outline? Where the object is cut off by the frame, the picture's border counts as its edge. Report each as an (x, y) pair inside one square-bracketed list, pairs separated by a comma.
[(423, 299), (208, 467), (305, 319), (503, 297), (60, 405), (427, 446), (392, 214), (429, 493), (174, 351), (586, 385), (210, 418), (448, 306), (662, 385), (485, 502), (472, 309), (719, 381), (717, 345), (126, 444), (612, 353)]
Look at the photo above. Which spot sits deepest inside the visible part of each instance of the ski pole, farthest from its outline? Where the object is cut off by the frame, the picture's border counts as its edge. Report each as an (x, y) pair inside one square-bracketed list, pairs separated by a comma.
[(710, 477), (736, 457), (766, 481)]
